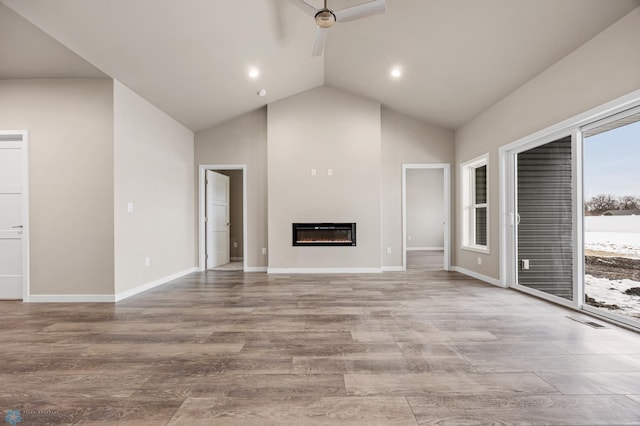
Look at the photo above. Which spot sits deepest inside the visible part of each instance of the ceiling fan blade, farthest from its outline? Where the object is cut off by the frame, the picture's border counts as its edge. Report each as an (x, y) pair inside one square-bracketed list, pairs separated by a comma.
[(305, 7), (363, 10), (320, 41)]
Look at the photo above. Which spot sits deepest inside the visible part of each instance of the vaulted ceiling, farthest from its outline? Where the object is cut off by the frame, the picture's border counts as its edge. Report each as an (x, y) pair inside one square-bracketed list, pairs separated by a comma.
[(191, 57)]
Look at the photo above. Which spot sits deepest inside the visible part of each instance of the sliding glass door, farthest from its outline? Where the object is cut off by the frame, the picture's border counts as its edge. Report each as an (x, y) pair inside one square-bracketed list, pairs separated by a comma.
[(611, 160), (571, 214), (543, 222)]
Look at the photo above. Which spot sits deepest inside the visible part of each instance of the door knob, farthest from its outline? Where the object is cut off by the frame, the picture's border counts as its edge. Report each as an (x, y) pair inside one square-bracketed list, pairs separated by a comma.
[(17, 227)]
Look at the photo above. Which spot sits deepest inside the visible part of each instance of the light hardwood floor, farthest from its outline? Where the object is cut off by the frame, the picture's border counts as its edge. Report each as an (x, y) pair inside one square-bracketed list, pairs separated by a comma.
[(420, 347)]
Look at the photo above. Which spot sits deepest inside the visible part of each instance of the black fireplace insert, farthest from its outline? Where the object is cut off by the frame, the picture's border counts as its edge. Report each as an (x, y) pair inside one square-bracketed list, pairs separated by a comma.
[(324, 234)]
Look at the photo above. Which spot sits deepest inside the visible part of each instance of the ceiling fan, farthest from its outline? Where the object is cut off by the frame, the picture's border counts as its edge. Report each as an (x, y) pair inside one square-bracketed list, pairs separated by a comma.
[(325, 18)]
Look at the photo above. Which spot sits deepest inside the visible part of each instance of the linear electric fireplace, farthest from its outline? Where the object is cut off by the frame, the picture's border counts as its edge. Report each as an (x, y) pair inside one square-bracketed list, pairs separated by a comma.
[(324, 234)]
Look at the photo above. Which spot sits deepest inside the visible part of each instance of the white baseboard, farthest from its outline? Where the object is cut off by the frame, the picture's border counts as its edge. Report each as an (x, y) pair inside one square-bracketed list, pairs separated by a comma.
[(425, 248), (324, 270), (392, 269), (255, 269), (155, 283), (477, 276), (105, 298), (70, 298)]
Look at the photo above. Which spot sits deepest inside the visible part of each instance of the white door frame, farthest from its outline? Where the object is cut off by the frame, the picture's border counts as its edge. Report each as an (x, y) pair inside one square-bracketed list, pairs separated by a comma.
[(509, 268), (202, 264), (446, 170), (23, 136), (571, 126)]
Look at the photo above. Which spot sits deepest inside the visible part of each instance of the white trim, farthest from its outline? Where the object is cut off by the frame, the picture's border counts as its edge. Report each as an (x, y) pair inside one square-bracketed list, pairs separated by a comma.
[(324, 270), (255, 269), (392, 269), (577, 176), (611, 317), (446, 170), (546, 296), (468, 205), (107, 298), (425, 248), (477, 249), (505, 218), (24, 145), (26, 228), (71, 298), (478, 276), (155, 283), (572, 126), (201, 211)]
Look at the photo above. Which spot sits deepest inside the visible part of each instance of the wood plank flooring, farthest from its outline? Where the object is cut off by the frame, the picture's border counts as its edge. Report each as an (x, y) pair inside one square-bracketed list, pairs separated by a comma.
[(420, 347)]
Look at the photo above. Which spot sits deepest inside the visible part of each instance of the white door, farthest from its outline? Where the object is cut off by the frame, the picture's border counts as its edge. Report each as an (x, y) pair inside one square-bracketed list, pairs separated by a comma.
[(217, 219), (11, 220)]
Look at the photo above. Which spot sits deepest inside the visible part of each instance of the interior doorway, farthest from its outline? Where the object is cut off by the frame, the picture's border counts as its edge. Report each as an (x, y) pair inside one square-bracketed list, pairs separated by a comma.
[(425, 218), (217, 223), (222, 231), (14, 216)]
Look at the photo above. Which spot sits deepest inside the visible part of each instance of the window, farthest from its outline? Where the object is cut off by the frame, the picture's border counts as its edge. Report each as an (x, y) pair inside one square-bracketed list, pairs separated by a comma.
[(475, 193)]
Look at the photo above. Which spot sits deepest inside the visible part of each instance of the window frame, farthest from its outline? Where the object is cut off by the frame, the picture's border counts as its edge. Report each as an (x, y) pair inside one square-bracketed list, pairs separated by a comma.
[(469, 205)]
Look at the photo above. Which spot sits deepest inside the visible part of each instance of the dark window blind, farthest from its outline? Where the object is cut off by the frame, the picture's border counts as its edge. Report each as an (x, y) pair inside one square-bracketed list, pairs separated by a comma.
[(545, 211), (480, 213)]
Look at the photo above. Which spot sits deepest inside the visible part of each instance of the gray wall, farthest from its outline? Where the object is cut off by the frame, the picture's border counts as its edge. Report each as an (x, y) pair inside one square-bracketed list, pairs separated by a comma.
[(323, 129), (153, 170), (243, 140), (405, 140), (70, 124), (235, 211), (601, 70), (425, 208)]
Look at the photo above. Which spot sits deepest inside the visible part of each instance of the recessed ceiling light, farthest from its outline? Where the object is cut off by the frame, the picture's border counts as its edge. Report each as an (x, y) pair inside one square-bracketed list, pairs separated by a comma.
[(262, 92), (254, 73), (396, 73)]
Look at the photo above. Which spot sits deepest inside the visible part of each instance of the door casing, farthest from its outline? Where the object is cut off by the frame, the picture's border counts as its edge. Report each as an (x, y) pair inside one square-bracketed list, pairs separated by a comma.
[(202, 168), (23, 137), (446, 170)]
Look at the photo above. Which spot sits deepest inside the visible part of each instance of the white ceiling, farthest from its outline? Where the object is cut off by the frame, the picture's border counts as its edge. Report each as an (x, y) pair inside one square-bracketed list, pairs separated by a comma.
[(191, 57)]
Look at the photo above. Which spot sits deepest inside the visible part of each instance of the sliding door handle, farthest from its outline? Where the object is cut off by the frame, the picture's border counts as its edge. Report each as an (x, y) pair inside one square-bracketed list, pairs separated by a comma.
[(17, 227)]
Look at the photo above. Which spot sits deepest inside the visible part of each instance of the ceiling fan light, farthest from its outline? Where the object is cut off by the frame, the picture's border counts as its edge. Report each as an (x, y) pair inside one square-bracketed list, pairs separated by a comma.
[(325, 18)]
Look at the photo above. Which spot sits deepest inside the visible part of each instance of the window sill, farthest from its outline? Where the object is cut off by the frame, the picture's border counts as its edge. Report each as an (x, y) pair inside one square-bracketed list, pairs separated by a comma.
[(477, 249)]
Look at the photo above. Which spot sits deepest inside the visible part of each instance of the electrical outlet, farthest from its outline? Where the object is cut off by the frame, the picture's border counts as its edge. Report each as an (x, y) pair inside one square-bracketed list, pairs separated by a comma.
[(388, 250), (147, 261), (329, 172), (264, 250), (525, 263), (479, 260), (235, 244), (313, 172), (129, 207)]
